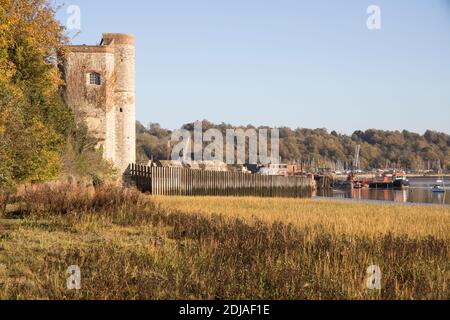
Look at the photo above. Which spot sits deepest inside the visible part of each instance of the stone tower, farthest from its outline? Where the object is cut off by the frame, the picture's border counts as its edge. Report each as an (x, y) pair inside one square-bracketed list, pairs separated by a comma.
[(100, 88)]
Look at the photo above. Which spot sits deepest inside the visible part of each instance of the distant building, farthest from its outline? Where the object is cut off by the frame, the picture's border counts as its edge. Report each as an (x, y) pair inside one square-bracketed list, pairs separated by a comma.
[(275, 170), (212, 165), (100, 88), (169, 164)]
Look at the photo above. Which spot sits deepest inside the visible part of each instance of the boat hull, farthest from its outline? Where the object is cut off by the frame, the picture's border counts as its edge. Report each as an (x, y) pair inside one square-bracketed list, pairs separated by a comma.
[(381, 185), (401, 183), (397, 184), (438, 190)]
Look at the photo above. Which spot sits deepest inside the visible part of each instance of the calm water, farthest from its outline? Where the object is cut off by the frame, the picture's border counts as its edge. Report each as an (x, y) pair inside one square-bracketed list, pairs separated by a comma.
[(418, 192)]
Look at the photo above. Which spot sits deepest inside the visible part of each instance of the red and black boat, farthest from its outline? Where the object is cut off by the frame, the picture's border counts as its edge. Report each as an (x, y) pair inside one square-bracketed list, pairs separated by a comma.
[(398, 180)]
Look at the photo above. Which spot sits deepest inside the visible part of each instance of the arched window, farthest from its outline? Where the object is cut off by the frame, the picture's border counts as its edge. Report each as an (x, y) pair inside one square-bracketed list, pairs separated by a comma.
[(95, 79)]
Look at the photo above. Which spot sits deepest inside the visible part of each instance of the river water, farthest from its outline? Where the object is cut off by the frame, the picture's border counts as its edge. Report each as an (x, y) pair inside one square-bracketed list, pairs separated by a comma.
[(419, 192)]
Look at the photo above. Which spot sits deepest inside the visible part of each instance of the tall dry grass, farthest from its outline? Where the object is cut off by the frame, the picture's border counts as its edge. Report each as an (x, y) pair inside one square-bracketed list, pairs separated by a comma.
[(131, 246), (62, 199), (340, 218)]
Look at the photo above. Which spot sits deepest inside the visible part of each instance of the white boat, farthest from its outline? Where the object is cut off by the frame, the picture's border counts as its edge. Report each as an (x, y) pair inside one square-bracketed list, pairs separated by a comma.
[(438, 189), (440, 186)]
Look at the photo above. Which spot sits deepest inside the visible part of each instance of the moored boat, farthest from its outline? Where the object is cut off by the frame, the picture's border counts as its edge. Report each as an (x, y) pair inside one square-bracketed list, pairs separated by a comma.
[(398, 180), (438, 189)]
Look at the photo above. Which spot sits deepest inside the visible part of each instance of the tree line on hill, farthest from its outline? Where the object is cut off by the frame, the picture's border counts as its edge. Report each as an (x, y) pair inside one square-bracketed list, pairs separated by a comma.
[(318, 148)]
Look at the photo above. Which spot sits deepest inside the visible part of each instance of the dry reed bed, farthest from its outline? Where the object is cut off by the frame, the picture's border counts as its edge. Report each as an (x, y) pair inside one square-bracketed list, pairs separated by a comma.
[(341, 218), (130, 246)]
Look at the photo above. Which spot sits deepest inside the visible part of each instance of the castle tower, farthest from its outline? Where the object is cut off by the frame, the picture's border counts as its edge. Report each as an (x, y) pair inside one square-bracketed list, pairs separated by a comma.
[(100, 88)]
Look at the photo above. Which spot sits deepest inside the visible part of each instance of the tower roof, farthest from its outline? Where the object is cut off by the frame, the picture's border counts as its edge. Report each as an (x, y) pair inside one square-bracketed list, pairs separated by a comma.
[(117, 38), (106, 45)]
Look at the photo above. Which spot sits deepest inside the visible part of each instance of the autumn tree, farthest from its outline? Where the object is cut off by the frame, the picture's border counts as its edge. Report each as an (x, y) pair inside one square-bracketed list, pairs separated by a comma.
[(34, 121)]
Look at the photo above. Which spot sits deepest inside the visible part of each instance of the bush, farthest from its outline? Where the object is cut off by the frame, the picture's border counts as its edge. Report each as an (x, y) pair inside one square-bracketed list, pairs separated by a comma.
[(63, 199)]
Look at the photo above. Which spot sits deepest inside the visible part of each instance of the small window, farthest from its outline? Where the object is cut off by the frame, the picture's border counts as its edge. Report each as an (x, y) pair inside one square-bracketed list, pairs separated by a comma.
[(121, 110), (94, 79)]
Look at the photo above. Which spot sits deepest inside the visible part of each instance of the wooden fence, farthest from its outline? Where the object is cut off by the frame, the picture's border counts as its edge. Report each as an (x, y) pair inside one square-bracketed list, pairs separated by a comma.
[(188, 182)]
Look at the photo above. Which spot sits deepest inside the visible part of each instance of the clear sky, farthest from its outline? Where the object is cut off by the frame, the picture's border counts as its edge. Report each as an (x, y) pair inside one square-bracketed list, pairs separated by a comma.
[(294, 63)]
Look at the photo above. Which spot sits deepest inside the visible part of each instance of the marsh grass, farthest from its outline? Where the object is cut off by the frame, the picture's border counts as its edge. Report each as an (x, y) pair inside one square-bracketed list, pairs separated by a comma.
[(336, 217), (62, 199), (131, 246)]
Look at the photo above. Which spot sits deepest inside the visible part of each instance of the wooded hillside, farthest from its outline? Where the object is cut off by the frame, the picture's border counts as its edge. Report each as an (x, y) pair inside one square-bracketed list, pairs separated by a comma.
[(323, 149)]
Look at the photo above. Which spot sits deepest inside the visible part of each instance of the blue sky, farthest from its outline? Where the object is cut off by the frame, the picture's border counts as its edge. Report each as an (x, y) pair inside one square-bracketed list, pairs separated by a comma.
[(294, 63)]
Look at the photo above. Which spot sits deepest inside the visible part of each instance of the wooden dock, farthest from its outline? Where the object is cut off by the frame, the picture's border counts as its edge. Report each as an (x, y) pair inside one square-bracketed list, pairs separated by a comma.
[(324, 182), (188, 182)]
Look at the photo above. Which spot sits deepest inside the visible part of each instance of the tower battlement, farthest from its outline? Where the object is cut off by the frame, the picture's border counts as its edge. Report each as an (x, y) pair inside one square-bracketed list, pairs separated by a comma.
[(100, 88)]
